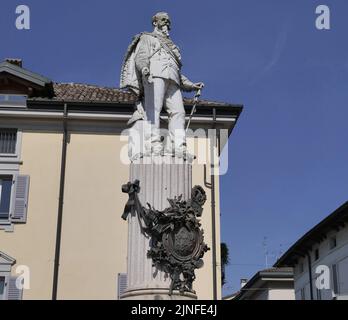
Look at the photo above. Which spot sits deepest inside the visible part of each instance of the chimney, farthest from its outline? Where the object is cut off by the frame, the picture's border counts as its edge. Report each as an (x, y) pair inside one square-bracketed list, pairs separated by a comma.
[(16, 62), (243, 282)]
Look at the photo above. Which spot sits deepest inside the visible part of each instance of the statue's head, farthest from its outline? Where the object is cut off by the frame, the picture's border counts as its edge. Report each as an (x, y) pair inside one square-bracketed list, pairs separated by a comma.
[(161, 22)]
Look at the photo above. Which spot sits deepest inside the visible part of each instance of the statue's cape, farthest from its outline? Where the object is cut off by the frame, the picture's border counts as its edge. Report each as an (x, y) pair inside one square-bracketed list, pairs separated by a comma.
[(130, 77)]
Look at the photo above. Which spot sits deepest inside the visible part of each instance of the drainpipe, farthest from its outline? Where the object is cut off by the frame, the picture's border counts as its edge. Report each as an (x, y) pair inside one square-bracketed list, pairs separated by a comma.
[(310, 274), (213, 222), (60, 204)]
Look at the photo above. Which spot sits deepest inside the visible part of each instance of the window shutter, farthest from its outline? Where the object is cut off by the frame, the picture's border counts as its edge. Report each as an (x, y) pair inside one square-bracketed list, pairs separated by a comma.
[(20, 202), (122, 284), (13, 292)]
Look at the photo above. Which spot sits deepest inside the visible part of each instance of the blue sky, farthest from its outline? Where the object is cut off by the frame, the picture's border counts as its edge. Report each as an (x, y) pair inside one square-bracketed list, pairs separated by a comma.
[(288, 154)]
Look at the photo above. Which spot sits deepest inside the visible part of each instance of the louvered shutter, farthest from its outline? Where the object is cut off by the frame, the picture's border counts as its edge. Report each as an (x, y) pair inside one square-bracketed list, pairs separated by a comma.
[(13, 292), (122, 284), (20, 199)]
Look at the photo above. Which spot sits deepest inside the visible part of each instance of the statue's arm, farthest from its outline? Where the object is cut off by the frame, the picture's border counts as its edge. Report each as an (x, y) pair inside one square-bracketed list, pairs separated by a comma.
[(143, 53), (186, 84)]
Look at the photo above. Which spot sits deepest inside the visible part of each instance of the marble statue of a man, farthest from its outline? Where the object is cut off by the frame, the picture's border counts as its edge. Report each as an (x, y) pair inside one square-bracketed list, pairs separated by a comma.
[(152, 68)]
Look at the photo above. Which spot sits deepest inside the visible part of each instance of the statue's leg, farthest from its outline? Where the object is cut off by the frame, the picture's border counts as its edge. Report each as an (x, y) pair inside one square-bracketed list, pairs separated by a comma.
[(154, 96), (134, 141), (175, 107)]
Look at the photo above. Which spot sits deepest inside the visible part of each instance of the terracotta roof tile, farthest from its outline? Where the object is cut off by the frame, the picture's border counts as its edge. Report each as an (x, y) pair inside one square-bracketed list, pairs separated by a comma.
[(90, 93)]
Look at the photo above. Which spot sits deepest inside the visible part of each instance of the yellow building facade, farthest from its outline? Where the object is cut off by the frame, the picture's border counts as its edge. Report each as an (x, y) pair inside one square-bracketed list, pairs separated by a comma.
[(79, 185)]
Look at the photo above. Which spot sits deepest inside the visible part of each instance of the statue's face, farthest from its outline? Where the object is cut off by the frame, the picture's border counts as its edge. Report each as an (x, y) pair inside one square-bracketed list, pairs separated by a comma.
[(162, 24)]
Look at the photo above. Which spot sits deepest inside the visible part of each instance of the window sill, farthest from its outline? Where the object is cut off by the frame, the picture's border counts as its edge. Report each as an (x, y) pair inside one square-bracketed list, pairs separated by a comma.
[(6, 226), (8, 155), (13, 160)]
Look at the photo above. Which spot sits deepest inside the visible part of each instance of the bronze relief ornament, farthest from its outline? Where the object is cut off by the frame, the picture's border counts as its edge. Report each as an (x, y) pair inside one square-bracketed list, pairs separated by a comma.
[(177, 241)]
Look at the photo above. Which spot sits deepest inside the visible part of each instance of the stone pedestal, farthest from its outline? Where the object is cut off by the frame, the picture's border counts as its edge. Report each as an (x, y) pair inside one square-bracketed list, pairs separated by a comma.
[(160, 177)]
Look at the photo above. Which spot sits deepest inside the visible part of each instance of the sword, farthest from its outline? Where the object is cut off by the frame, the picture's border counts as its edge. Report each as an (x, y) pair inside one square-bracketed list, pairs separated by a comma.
[(195, 101)]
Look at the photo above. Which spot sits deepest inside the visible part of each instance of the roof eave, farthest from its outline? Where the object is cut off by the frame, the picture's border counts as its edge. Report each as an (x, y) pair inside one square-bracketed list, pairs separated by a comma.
[(24, 74)]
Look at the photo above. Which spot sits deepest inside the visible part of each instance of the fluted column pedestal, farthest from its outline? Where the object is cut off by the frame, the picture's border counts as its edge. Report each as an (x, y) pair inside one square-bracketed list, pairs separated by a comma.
[(160, 177)]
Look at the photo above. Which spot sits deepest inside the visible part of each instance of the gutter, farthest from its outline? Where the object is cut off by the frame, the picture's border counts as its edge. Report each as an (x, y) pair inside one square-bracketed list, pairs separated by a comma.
[(211, 185), (54, 115), (215, 138), (60, 205), (213, 222)]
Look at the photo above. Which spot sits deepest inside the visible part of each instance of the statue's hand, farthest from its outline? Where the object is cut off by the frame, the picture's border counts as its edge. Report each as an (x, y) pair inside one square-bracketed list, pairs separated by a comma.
[(198, 85), (146, 74), (145, 71)]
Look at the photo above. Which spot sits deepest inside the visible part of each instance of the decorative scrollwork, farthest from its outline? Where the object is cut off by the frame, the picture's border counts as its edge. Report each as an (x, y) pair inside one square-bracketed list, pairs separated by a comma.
[(177, 242)]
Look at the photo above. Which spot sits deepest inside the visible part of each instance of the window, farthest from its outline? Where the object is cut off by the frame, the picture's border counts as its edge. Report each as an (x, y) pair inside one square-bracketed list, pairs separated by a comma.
[(333, 242), (121, 284), (2, 288), (8, 287), (13, 100), (12, 97), (318, 294), (14, 193), (5, 197), (8, 141), (13, 187), (316, 254)]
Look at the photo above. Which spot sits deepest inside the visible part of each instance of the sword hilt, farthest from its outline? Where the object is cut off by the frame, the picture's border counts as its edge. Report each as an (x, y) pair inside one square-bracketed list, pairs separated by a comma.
[(198, 94)]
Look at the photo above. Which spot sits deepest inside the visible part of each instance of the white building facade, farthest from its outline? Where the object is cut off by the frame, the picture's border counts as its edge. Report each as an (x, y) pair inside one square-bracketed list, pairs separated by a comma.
[(320, 259)]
